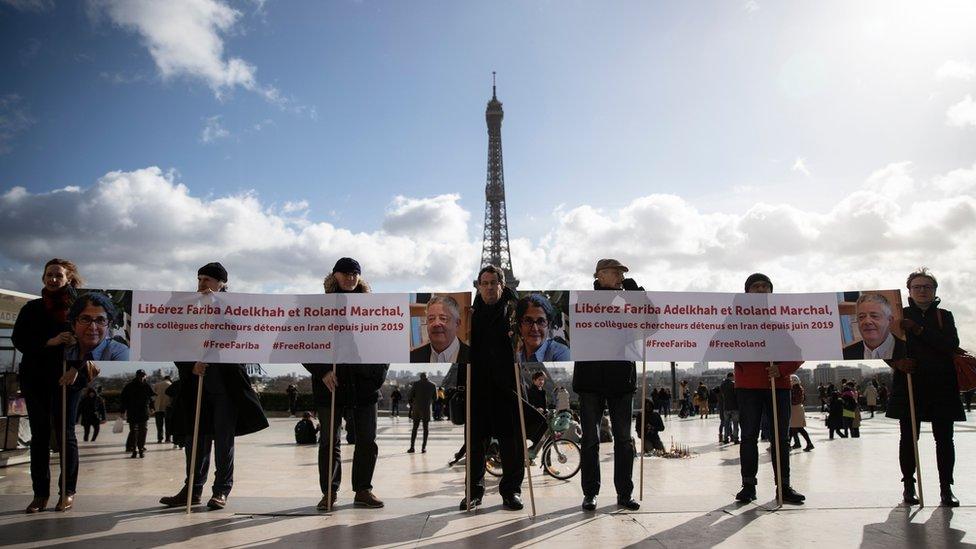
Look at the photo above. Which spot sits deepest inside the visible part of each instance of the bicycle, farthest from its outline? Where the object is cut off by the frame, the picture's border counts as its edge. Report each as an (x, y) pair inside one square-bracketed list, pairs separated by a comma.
[(561, 457)]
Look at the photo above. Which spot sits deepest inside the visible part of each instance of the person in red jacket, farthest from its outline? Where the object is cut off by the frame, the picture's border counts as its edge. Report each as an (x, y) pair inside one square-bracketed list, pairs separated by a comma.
[(753, 396)]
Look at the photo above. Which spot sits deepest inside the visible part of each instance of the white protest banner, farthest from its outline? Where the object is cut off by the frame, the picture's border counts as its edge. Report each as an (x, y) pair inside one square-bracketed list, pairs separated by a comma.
[(686, 326), (268, 328)]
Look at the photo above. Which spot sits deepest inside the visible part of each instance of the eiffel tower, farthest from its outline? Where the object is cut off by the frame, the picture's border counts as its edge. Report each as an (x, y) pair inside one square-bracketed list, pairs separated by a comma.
[(495, 250)]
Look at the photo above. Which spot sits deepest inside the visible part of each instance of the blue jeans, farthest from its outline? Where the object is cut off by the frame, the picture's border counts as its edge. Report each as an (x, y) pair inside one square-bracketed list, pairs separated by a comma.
[(591, 411), (730, 423), (753, 404)]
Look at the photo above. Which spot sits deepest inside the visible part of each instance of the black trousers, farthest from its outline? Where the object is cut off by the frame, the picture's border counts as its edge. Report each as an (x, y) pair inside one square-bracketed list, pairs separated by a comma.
[(93, 428), (366, 451), (945, 450), (753, 405), (219, 438), (591, 411), (139, 430), (413, 435), (493, 414), (161, 432), (44, 416)]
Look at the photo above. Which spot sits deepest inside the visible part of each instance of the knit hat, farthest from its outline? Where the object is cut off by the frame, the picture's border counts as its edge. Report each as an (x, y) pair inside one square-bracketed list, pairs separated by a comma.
[(214, 270), (347, 265), (758, 277)]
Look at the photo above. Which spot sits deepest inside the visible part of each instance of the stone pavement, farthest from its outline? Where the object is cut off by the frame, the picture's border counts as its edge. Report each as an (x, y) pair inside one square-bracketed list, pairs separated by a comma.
[(852, 488)]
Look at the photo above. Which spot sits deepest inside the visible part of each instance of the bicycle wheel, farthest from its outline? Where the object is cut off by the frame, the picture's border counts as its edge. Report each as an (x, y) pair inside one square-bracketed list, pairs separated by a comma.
[(493, 460), (562, 459)]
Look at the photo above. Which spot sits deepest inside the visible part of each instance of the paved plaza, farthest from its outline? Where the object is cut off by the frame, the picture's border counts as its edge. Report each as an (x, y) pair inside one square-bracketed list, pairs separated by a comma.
[(852, 488)]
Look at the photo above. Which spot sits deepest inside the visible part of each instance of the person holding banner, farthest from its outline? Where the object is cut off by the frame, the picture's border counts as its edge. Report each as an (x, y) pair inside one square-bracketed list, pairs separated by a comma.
[(356, 391), (493, 390), (229, 407), (752, 391), (931, 341), (40, 334), (607, 384)]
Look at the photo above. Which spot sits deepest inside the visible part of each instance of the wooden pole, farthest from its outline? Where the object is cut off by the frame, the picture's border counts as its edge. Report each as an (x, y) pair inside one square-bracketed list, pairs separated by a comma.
[(193, 447), (525, 449), (328, 496), (467, 435), (643, 425), (64, 432), (776, 442), (918, 464)]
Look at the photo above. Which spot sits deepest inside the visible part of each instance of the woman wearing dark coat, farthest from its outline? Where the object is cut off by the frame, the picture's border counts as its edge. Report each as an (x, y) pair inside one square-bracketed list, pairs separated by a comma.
[(931, 341), (91, 412), (835, 416), (41, 334)]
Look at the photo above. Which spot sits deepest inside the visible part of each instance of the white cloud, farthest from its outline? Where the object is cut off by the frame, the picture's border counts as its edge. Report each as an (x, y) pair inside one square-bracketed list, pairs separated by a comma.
[(963, 113), (15, 118), (186, 39), (800, 165), (146, 229), (213, 130), (750, 6), (956, 70)]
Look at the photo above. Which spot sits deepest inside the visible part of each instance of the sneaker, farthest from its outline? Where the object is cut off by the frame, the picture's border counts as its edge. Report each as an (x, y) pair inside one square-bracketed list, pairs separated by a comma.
[(365, 498), (475, 502), (747, 494)]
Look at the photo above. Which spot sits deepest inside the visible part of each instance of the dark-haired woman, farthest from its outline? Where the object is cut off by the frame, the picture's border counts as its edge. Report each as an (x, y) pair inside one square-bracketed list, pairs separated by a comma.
[(41, 334)]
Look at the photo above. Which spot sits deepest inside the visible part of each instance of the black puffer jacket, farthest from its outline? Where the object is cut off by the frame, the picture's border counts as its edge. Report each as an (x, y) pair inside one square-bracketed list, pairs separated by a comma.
[(606, 377), (40, 365), (935, 384)]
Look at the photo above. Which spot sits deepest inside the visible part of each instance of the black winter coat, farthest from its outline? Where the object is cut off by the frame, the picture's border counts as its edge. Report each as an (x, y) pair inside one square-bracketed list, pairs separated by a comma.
[(250, 414), (40, 366), (935, 384), (492, 354), (607, 377), (135, 400), (359, 384)]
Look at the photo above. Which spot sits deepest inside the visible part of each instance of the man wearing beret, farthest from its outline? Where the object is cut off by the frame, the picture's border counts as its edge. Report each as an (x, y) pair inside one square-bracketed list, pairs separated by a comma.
[(229, 408)]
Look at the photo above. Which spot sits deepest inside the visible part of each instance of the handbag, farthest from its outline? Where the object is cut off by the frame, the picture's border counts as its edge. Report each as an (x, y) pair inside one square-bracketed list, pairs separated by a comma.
[(965, 364), (119, 425)]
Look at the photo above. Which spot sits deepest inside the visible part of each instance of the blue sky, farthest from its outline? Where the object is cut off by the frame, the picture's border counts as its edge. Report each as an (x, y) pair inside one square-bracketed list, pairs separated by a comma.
[(832, 144)]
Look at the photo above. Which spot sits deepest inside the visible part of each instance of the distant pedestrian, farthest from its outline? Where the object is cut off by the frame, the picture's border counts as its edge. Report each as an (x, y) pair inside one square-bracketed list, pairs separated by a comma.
[(422, 396), (871, 396), (798, 417), (136, 402), (161, 404), (395, 398), (292, 392), (91, 410)]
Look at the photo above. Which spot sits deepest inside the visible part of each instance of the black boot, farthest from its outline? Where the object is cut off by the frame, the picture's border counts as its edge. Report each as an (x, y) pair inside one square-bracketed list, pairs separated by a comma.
[(948, 500), (909, 493)]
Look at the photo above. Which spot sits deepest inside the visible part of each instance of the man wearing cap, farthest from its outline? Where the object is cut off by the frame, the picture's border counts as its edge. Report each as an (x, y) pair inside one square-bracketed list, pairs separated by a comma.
[(136, 400), (356, 389), (752, 393), (229, 408), (609, 384)]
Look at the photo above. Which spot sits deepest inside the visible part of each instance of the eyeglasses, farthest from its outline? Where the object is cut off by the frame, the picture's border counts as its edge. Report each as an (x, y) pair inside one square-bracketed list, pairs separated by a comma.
[(86, 320), (920, 287), (540, 322)]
